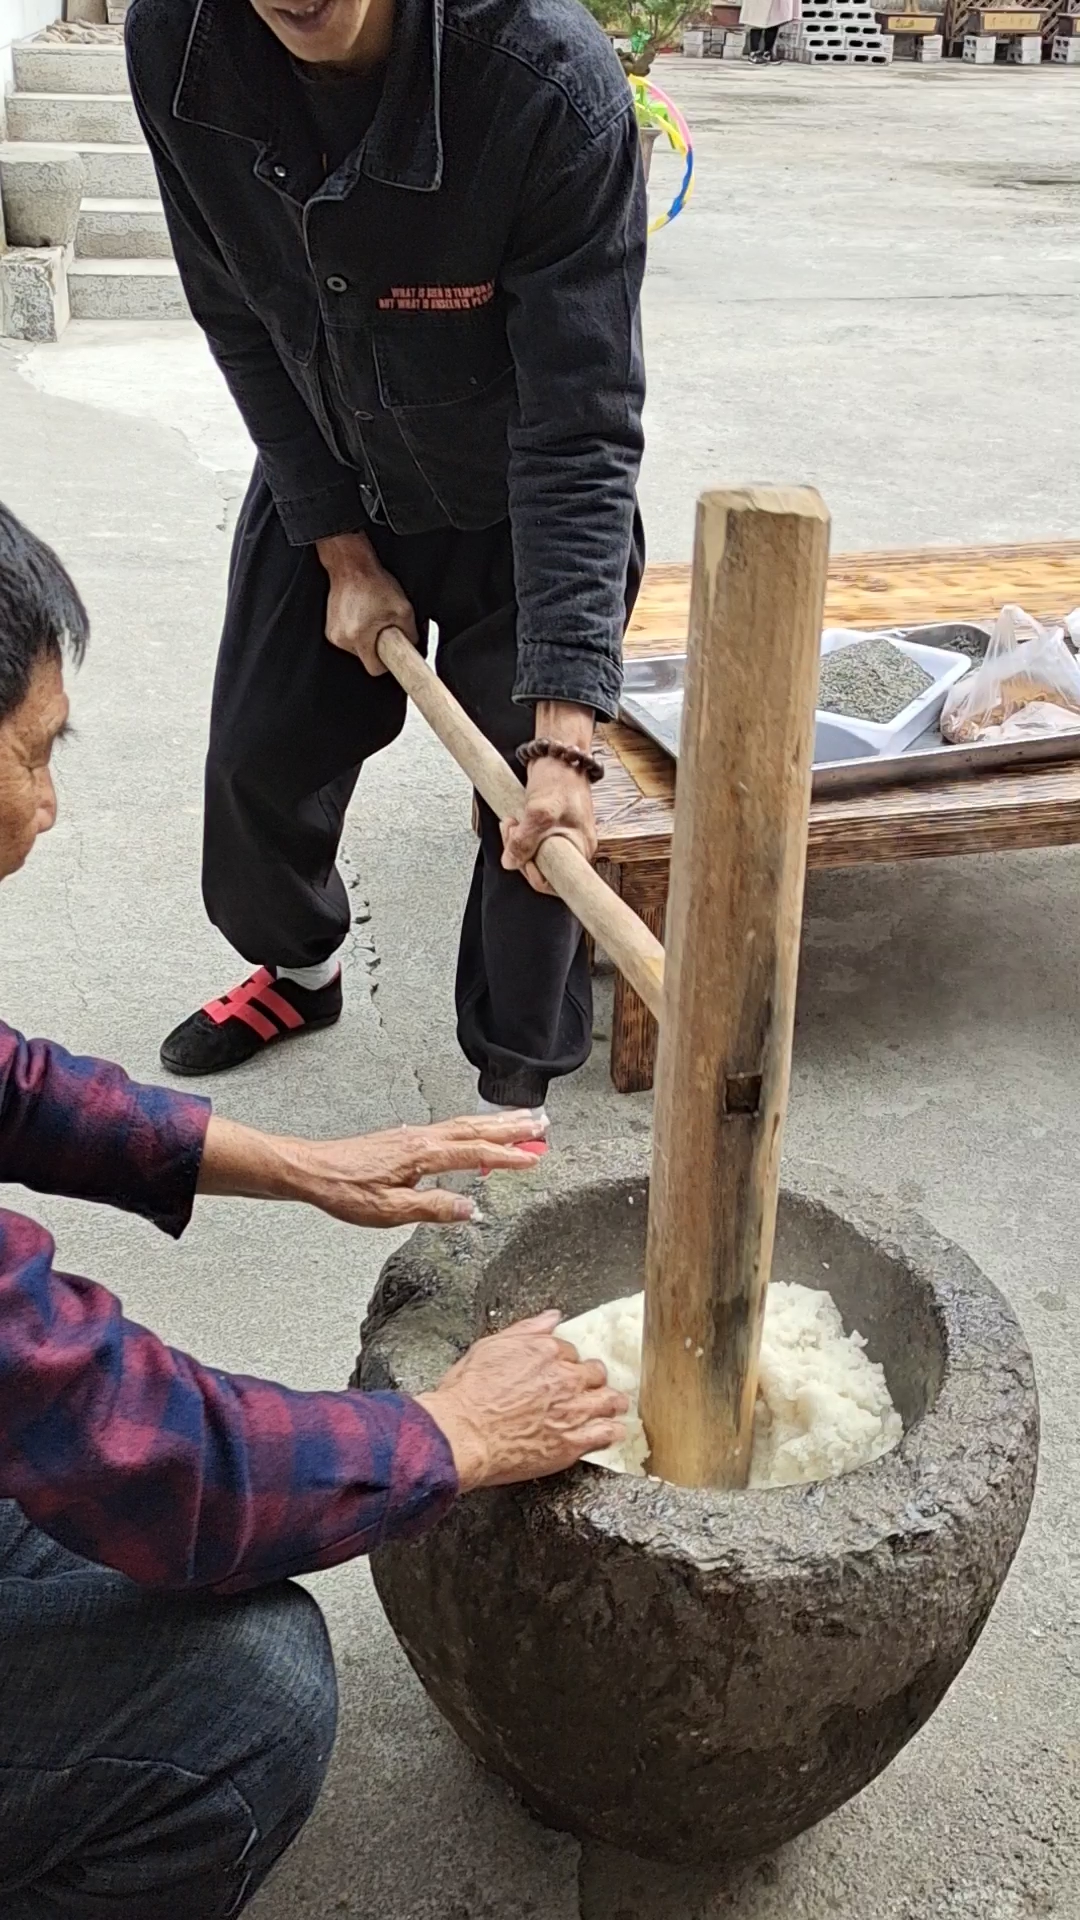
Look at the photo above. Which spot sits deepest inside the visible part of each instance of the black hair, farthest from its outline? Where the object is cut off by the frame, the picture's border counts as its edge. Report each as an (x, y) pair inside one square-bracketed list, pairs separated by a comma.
[(41, 614)]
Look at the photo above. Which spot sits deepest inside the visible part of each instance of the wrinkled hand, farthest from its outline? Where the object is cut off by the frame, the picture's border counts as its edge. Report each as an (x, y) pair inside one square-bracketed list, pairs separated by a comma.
[(521, 1405), (372, 1181), (364, 599), (557, 799)]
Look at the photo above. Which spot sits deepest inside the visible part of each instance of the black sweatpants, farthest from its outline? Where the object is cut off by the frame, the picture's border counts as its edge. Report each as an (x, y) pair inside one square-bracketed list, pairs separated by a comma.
[(292, 723)]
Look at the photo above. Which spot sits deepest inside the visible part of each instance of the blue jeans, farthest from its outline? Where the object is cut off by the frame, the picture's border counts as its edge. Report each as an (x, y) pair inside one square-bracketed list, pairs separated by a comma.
[(158, 1752)]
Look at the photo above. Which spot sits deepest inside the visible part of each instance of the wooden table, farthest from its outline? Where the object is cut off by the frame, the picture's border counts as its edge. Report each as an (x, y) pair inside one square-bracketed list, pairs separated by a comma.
[(991, 813)]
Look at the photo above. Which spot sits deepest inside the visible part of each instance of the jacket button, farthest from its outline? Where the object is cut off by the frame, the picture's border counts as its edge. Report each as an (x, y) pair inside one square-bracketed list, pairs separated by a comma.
[(280, 173), (365, 416), (336, 284)]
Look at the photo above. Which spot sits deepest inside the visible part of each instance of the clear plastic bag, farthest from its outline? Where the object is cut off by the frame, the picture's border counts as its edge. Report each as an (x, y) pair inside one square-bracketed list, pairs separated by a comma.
[(1028, 684)]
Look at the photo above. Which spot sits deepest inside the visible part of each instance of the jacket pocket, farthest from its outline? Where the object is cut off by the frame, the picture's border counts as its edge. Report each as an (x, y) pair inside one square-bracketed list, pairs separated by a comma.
[(462, 450), (436, 358)]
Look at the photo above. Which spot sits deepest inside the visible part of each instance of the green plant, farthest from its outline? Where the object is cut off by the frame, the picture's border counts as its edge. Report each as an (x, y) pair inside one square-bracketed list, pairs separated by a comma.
[(644, 113), (647, 24)]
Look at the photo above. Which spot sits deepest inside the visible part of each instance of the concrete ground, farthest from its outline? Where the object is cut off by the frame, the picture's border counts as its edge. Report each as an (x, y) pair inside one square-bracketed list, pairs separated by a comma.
[(876, 288)]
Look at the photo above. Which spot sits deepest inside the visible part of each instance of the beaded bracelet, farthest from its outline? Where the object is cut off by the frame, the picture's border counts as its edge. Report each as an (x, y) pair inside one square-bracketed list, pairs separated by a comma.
[(586, 763)]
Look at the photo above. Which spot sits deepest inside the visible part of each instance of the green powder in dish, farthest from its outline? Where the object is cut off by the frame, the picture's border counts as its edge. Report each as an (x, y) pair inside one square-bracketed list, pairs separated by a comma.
[(870, 680)]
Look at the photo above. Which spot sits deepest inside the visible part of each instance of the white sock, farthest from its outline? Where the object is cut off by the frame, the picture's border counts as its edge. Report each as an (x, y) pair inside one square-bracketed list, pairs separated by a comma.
[(539, 1114), (311, 977)]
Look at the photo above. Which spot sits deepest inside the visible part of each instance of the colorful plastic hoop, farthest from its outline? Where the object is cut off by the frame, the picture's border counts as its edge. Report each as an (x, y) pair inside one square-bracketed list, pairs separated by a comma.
[(663, 113)]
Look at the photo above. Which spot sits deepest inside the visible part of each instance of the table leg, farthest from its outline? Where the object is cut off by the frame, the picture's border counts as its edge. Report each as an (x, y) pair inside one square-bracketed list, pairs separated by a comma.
[(633, 1029)]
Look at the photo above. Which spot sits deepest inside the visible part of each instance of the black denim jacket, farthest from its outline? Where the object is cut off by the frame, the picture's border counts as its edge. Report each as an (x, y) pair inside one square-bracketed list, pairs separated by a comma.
[(446, 330)]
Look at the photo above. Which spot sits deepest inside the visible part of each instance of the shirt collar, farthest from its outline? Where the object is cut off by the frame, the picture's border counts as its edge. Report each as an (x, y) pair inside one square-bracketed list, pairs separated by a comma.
[(233, 70)]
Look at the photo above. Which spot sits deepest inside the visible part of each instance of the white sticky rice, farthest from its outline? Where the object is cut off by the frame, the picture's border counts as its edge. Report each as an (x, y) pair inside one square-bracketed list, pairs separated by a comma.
[(823, 1406)]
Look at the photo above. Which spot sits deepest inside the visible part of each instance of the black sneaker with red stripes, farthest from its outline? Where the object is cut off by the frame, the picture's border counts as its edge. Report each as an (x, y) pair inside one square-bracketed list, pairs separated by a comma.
[(246, 1021)]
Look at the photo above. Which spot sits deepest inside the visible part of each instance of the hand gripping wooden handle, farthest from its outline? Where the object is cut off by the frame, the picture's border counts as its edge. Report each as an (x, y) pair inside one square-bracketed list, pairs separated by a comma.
[(614, 926)]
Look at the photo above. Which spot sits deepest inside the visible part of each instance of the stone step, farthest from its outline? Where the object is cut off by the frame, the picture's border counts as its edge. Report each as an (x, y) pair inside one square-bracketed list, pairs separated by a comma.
[(112, 172), (73, 117), (123, 230), (126, 290), (118, 172), (45, 66)]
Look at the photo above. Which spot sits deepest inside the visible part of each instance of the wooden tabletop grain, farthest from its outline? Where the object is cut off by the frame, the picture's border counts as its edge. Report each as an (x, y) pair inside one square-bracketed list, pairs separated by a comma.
[(635, 801)]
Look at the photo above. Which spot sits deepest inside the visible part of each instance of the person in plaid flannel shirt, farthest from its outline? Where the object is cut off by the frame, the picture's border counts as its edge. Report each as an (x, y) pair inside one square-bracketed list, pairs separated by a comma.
[(167, 1695)]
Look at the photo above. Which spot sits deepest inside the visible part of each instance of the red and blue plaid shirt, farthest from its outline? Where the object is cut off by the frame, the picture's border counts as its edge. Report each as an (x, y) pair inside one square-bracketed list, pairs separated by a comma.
[(129, 1452)]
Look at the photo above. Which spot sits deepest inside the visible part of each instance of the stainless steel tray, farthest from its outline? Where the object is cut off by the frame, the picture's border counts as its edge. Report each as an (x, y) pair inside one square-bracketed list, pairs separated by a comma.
[(652, 701)]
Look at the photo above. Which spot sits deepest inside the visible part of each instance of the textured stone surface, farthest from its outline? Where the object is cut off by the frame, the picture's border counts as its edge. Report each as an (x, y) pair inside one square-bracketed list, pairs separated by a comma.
[(74, 117), (700, 1675), (93, 10), (118, 173), (126, 289), (41, 193), (47, 65), (122, 229), (33, 293)]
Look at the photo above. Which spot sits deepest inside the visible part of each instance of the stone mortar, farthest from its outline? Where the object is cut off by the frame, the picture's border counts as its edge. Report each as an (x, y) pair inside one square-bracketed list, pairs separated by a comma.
[(698, 1675)]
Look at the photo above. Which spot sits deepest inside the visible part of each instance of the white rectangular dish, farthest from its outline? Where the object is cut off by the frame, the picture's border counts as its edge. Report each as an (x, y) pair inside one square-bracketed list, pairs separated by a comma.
[(838, 737)]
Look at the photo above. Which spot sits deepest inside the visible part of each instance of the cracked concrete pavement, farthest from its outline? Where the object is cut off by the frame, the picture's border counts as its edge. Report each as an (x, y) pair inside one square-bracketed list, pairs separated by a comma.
[(876, 288)]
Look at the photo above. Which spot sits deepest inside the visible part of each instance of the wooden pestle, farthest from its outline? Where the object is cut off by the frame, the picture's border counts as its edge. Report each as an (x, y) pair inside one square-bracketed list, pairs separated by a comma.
[(726, 997), (737, 866)]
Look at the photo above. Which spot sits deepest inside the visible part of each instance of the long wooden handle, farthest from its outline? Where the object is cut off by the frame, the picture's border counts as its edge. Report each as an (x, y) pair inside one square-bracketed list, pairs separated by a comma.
[(635, 951)]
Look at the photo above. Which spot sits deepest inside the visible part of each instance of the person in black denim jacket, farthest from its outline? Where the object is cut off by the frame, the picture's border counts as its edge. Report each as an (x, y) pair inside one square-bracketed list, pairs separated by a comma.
[(414, 234)]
